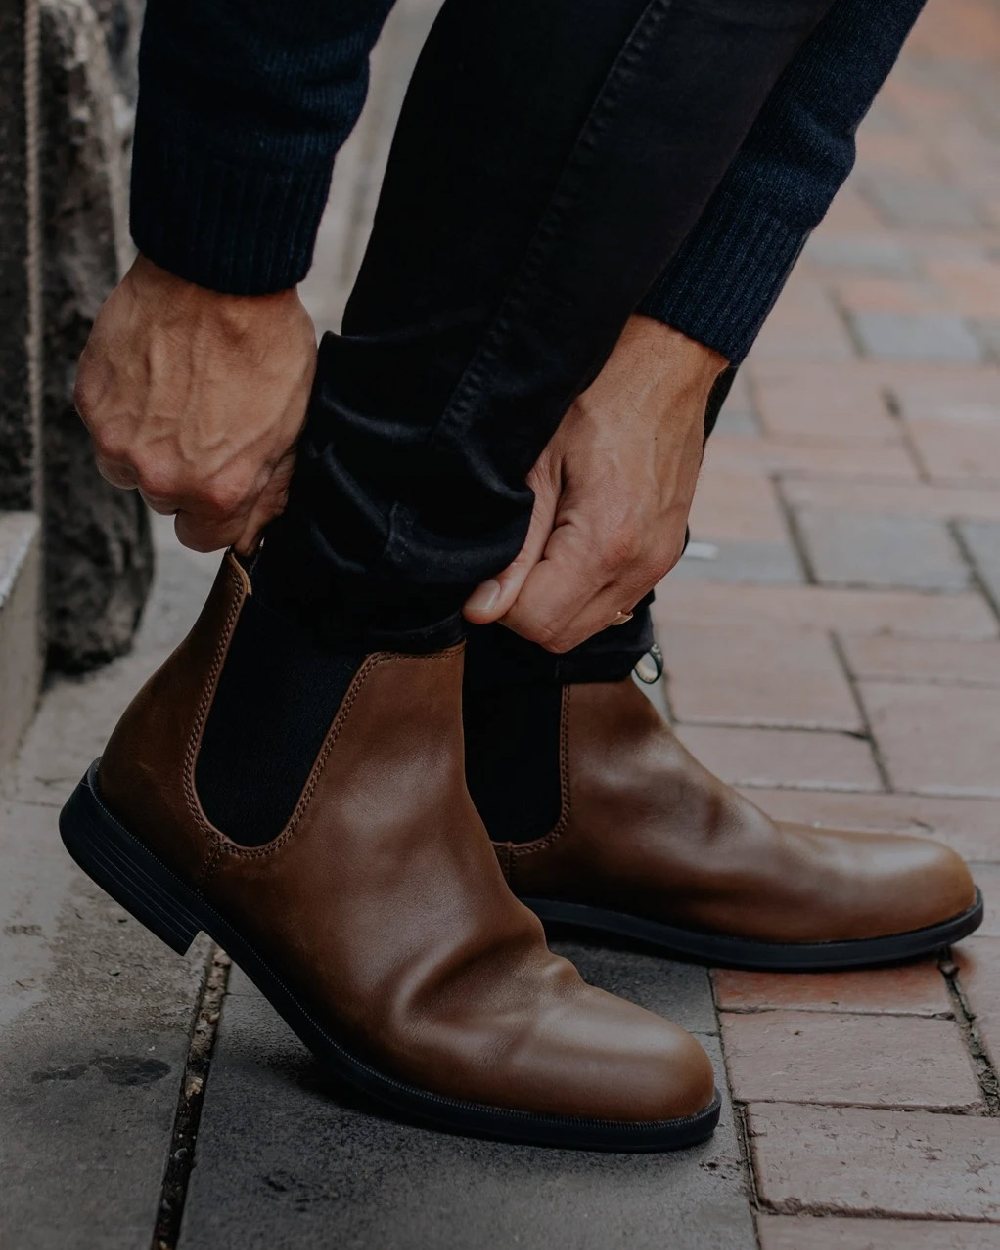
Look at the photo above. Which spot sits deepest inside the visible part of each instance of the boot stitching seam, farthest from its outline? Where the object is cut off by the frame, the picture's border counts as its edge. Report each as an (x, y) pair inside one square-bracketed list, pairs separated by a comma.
[(517, 850), (197, 729), (233, 849)]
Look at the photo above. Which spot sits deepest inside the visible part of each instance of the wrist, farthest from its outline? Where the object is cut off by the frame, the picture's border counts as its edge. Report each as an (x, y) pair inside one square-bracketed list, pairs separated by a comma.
[(146, 276), (238, 323), (677, 357)]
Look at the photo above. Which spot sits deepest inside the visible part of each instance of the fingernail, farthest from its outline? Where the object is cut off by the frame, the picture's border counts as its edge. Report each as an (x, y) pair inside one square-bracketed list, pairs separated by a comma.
[(483, 597)]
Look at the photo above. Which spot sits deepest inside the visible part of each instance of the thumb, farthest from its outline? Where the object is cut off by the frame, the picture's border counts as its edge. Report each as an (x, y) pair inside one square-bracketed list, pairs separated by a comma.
[(269, 504), (494, 598)]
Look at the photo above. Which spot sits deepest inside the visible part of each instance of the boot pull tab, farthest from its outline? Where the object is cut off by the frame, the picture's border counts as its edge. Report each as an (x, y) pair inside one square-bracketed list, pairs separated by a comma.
[(649, 669)]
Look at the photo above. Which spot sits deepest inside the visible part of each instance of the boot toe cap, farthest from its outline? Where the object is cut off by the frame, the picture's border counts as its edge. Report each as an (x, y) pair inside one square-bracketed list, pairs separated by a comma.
[(623, 1063), (938, 881), (879, 884), (678, 1079)]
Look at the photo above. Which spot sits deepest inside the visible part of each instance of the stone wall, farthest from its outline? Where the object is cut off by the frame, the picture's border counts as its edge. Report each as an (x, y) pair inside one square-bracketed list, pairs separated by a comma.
[(20, 373), (20, 277), (65, 128), (98, 554)]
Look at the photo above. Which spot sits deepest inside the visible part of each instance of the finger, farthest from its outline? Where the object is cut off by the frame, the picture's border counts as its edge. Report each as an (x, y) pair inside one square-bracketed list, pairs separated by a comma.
[(610, 606), (220, 504), (567, 599), (117, 474), (555, 593), (493, 599), (557, 634), (249, 537), (270, 503), (165, 507), (269, 506), (208, 533)]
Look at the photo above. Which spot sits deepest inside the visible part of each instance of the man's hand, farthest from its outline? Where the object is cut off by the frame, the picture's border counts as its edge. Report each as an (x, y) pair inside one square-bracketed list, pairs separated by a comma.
[(613, 490), (196, 400)]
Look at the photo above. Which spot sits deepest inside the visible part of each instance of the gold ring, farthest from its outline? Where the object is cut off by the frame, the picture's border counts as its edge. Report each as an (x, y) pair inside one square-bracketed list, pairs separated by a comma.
[(622, 618)]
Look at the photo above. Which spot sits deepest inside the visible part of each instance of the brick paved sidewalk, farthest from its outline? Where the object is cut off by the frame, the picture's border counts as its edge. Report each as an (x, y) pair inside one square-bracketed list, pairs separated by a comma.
[(833, 645), (836, 653)]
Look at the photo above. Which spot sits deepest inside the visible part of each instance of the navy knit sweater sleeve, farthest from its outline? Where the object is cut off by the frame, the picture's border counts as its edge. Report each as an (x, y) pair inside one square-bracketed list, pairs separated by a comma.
[(243, 105), (724, 281)]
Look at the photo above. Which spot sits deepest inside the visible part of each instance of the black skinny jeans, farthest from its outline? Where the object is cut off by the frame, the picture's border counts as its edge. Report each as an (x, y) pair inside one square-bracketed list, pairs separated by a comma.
[(549, 160)]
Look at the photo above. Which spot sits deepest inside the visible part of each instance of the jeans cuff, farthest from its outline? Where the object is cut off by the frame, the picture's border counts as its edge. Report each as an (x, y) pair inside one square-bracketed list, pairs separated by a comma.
[(290, 577), (498, 657), (417, 640)]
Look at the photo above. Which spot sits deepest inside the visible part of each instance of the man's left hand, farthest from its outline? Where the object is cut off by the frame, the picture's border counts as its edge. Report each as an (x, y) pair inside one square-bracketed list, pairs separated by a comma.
[(613, 490)]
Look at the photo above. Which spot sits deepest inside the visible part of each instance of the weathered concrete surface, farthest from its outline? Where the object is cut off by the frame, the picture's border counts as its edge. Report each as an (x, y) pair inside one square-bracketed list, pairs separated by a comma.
[(20, 597), (78, 713), (95, 1013), (99, 560), (95, 1016), (287, 1160), (678, 991)]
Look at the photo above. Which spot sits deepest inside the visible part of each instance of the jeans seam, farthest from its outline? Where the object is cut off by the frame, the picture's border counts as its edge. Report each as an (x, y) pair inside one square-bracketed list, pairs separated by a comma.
[(564, 196)]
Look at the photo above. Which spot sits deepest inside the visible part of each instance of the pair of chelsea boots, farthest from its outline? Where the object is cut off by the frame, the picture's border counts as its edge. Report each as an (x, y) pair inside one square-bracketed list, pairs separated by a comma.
[(378, 922)]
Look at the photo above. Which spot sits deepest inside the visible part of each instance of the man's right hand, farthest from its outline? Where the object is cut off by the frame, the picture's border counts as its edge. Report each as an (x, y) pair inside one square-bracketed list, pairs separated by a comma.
[(196, 399), (613, 490)]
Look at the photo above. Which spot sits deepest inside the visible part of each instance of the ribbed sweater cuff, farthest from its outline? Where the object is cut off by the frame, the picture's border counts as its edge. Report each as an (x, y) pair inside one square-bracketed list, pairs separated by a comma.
[(239, 227), (724, 281)]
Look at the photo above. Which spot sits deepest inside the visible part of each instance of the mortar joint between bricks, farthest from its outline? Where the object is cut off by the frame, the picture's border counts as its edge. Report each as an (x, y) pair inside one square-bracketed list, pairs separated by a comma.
[(867, 730), (846, 320), (792, 522), (740, 1118), (895, 411), (986, 1073), (741, 1122), (978, 581), (190, 1102)]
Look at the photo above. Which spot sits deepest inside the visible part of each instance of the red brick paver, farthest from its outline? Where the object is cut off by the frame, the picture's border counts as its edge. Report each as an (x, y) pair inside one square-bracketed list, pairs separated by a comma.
[(848, 550), (894, 498), (789, 456), (906, 613), (858, 1161), (958, 451), (817, 404), (783, 757), (979, 976), (810, 1232), (924, 660), (849, 1060), (741, 506), (937, 739), (912, 989), (835, 648), (750, 675)]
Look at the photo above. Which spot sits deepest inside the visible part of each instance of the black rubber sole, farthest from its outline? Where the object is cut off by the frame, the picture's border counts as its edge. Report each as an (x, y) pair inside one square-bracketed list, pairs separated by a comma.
[(120, 864), (723, 951)]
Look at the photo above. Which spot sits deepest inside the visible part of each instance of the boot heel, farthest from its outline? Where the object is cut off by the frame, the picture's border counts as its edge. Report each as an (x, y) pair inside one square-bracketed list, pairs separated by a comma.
[(123, 867)]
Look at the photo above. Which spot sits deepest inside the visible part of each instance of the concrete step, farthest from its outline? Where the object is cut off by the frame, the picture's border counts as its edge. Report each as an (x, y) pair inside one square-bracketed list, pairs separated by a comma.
[(20, 636)]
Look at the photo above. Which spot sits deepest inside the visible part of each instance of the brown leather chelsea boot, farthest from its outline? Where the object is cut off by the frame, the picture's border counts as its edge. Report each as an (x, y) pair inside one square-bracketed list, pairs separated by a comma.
[(377, 922), (644, 842)]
